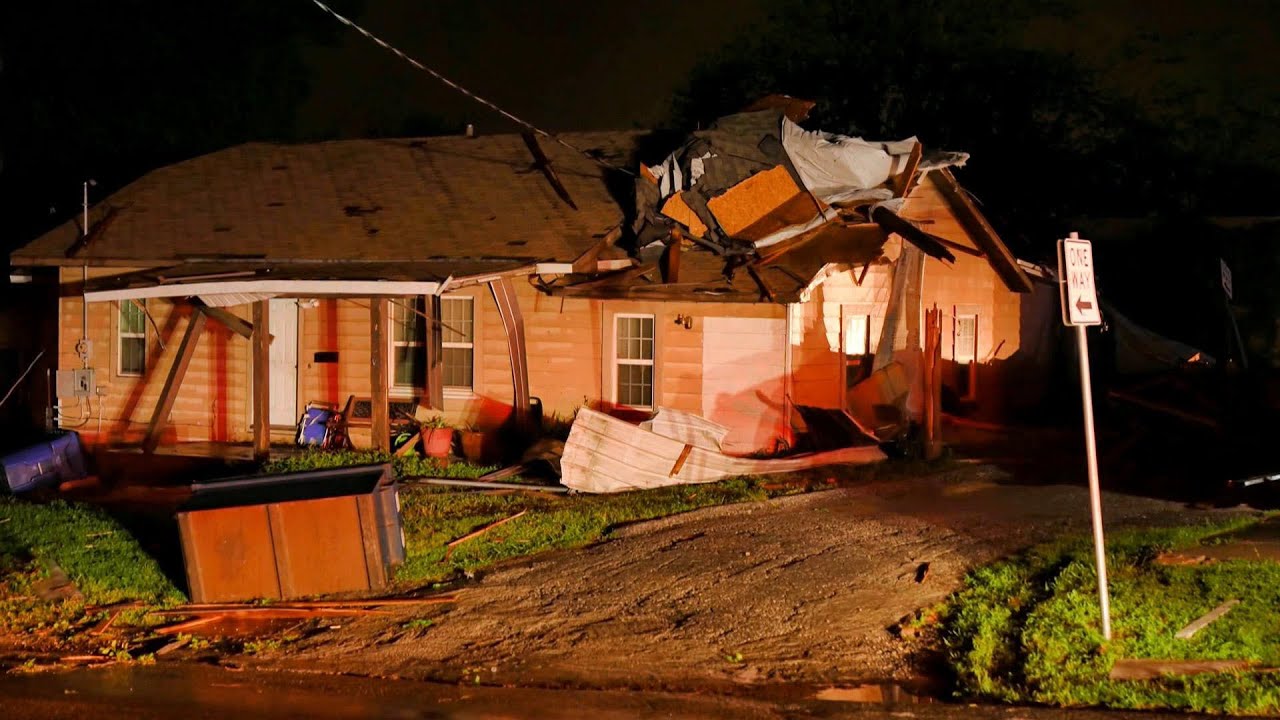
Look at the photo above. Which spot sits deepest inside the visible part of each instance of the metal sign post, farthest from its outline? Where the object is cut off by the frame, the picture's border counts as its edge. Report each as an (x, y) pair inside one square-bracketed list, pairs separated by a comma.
[(1080, 309)]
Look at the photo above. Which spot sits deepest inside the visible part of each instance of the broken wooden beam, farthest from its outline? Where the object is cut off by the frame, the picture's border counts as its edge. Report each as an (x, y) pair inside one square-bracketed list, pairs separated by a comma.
[(235, 324), (483, 485), (1147, 669), (477, 533), (169, 394), (906, 180), (1203, 621), (186, 625), (930, 244)]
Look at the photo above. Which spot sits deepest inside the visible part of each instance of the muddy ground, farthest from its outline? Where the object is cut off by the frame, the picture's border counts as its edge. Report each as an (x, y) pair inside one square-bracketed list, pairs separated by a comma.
[(802, 589)]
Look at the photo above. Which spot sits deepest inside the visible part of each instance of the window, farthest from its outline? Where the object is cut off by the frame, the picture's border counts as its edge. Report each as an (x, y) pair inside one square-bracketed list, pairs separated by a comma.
[(857, 334), (857, 349), (633, 360), (408, 343), (458, 343), (964, 351), (966, 340), (132, 344)]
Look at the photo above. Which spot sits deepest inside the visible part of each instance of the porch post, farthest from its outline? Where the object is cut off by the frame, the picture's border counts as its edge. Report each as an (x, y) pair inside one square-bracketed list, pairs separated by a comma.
[(435, 352), (513, 323), (160, 417), (379, 323), (261, 342)]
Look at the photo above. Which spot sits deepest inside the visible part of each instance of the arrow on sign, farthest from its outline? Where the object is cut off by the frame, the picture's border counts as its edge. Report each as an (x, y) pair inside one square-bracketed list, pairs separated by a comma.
[(1081, 305)]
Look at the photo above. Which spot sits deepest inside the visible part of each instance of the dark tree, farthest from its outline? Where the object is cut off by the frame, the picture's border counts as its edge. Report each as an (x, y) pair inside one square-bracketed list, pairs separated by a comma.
[(1048, 144)]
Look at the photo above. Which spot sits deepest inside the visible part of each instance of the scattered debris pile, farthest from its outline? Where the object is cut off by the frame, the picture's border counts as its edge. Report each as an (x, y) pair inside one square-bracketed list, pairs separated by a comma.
[(754, 192)]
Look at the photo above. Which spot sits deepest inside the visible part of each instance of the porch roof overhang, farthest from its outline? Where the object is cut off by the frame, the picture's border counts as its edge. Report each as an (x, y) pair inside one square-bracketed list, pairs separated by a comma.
[(224, 285)]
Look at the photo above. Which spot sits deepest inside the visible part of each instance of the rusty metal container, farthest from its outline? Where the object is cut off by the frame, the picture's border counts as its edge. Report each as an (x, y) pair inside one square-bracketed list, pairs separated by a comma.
[(291, 535)]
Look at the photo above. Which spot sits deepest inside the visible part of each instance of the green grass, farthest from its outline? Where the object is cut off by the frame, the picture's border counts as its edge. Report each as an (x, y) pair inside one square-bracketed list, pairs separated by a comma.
[(100, 556), (406, 466), (1028, 629), (97, 553), (433, 518)]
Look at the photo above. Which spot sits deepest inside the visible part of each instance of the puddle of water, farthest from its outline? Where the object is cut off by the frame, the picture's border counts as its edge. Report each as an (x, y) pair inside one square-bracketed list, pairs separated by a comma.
[(885, 693)]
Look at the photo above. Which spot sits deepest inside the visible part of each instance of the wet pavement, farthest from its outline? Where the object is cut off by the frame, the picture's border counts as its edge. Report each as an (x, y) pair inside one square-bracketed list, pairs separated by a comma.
[(196, 691)]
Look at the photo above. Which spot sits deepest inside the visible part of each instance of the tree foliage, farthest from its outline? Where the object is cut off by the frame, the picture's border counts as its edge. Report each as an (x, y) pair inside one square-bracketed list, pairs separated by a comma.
[(1047, 143)]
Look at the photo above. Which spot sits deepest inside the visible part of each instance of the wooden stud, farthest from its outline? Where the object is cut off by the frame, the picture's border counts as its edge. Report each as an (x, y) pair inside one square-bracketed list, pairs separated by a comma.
[(586, 262), (195, 324), (906, 180), (671, 262), (261, 401), (379, 369)]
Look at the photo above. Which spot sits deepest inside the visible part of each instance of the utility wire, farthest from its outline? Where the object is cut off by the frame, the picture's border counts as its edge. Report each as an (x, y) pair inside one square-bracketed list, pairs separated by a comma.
[(487, 103)]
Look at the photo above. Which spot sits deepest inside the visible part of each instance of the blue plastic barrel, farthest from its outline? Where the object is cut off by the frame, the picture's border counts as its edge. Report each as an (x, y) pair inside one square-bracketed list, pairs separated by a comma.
[(44, 464)]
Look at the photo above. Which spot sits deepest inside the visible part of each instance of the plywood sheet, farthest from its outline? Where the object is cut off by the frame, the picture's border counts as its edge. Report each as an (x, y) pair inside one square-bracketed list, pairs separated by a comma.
[(228, 554), (318, 546), (762, 204), (677, 209)]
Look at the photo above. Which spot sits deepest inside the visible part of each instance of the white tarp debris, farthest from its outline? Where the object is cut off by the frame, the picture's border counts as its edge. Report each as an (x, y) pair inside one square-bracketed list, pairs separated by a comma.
[(838, 167), (604, 454), (687, 428)]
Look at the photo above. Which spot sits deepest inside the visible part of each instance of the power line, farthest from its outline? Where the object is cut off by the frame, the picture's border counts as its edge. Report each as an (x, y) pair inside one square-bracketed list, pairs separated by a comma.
[(487, 103)]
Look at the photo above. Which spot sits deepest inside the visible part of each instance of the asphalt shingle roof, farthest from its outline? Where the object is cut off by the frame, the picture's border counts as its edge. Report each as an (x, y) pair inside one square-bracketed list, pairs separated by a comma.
[(397, 200)]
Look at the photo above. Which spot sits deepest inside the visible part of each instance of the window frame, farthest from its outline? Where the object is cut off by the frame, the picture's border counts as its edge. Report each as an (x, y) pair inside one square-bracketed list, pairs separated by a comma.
[(651, 362), (459, 390), (407, 304), (121, 335), (966, 367), (972, 355)]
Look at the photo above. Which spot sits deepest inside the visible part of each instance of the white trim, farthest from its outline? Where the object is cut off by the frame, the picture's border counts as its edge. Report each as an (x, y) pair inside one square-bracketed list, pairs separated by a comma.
[(553, 268), (121, 335), (409, 305), (651, 363), (279, 287), (459, 390)]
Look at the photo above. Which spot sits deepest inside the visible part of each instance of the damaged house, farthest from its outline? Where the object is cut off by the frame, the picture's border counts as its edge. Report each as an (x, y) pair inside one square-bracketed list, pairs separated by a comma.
[(757, 269)]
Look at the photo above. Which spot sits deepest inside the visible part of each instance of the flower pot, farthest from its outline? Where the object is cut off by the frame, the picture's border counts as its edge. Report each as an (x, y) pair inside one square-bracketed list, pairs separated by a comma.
[(437, 442), (474, 445)]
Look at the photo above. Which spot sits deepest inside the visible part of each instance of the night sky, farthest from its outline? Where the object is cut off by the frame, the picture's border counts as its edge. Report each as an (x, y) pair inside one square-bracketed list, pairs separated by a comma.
[(111, 90)]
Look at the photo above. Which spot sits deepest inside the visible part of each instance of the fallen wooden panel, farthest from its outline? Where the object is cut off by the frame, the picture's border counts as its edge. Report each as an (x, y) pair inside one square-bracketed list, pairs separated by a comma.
[(1203, 621), (605, 454), (677, 209), (762, 204), (1155, 669)]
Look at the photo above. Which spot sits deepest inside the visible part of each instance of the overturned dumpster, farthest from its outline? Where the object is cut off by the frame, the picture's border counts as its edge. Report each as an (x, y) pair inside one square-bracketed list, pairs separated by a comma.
[(292, 535)]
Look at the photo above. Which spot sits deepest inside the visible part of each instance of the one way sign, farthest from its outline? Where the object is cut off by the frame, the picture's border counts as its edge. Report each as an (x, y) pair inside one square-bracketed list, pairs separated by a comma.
[(1075, 277)]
